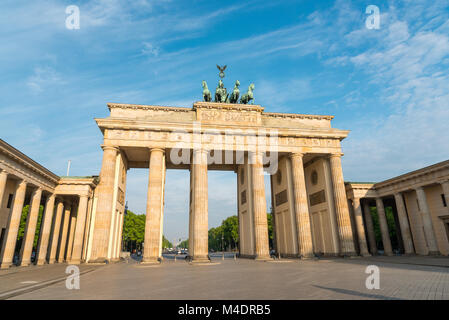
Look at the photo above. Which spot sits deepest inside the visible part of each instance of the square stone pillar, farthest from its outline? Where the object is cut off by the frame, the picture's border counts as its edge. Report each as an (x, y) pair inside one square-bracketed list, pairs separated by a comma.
[(200, 236), (427, 221), (64, 233), (260, 207), (302, 214), (30, 229), (79, 230), (341, 206), (360, 227), (44, 237), (404, 225), (369, 227), (155, 208), (384, 227), (55, 232), (12, 229), (3, 179), (103, 215)]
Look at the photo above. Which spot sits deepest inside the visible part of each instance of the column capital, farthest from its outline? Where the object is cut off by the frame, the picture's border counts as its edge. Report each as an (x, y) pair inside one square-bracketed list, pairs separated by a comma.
[(296, 155), (106, 147), (3, 172), (38, 189), (356, 200), (157, 149), (444, 182), (335, 155), (83, 196), (22, 183)]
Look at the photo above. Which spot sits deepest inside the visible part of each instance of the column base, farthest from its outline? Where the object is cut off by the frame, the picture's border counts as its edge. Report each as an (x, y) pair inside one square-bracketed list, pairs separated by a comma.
[(24, 263), (75, 262), (365, 255), (388, 254), (349, 254), (200, 259), (434, 253), (151, 260), (263, 258), (40, 262), (5, 265)]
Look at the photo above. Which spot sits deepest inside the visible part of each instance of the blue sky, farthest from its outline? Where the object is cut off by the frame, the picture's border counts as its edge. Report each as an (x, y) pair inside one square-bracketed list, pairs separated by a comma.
[(389, 86)]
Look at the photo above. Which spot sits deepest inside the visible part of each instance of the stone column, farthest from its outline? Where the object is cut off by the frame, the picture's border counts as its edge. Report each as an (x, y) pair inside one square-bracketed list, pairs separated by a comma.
[(64, 233), (404, 225), (260, 207), (153, 232), (86, 229), (341, 207), (79, 230), (384, 227), (30, 229), (302, 215), (55, 232), (104, 212), (3, 179), (427, 221), (200, 207), (445, 186), (360, 227), (9, 242), (71, 236), (45, 230), (370, 228)]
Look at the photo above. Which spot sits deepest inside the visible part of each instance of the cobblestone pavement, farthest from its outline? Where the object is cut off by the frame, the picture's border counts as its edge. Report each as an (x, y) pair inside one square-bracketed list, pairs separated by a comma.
[(338, 278)]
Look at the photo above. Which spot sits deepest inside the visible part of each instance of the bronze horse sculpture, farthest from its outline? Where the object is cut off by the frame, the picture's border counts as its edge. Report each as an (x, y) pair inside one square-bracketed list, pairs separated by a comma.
[(206, 93), (221, 94), (247, 97), (234, 98)]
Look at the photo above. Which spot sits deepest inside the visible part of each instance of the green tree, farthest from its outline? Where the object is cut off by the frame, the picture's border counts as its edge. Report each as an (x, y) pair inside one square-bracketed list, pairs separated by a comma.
[(22, 226), (134, 231), (227, 234), (184, 244), (391, 227), (166, 243)]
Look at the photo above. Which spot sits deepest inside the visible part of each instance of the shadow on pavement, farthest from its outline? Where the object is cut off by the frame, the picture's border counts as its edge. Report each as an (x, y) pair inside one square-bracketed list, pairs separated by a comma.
[(357, 293)]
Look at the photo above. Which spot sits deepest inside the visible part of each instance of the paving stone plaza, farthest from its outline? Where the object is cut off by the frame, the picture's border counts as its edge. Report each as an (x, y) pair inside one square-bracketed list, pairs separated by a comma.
[(333, 278)]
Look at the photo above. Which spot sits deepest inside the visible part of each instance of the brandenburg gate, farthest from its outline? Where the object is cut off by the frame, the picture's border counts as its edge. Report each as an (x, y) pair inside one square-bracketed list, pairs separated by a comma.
[(300, 153)]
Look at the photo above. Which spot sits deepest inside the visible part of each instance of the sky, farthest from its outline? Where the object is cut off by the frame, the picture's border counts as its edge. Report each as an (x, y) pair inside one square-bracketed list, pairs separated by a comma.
[(389, 86)]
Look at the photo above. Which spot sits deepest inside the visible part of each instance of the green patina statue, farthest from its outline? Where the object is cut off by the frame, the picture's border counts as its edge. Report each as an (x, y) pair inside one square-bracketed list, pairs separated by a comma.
[(221, 94), (247, 97), (235, 93), (206, 93)]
